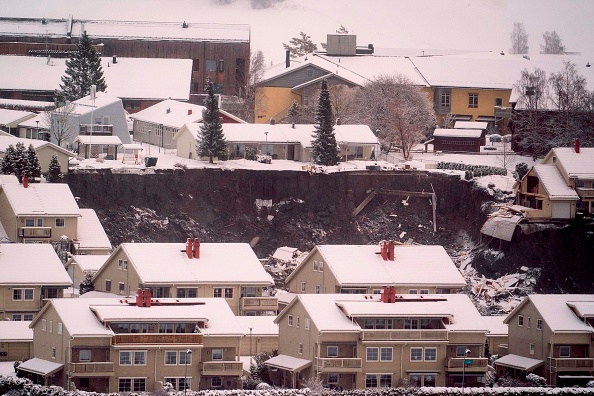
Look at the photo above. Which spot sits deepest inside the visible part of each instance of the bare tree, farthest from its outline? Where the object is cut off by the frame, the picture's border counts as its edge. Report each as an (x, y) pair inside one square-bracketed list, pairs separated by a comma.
[(449, 121), (60, 123), (519, 39), (343, 103), (552, 43), (398, 109), (252, 97)]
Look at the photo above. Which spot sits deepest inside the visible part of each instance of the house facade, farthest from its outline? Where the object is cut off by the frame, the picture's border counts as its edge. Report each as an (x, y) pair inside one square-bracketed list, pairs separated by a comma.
[(551, 335), (44, 150), (16, 341), (230, 271), (365, 269), (138, 344), (374, 341)]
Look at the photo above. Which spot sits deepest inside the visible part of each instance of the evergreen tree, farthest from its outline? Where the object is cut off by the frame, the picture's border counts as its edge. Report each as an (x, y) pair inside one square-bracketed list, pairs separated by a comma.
[(83, 69), (34, 166), (86, 285), (324, 148), (293, 113), (301, 45), (7, 162), (211, 142), (54, 174), (21, 162)]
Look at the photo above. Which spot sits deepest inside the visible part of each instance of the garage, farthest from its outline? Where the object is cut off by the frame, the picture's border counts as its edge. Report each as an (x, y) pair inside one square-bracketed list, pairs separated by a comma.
[(561, 210)]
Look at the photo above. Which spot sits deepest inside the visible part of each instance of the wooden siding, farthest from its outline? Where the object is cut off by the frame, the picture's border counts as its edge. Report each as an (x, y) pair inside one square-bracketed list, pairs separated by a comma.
[(297, 77)]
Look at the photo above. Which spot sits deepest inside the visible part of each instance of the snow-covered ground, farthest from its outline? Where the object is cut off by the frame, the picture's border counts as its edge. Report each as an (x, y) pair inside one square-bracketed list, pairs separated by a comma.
[(7, 368)]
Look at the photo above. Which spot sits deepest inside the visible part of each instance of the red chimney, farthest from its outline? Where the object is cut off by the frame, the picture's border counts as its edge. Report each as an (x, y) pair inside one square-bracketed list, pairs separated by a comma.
[(388, 294), (576, 148), (384, 250), (391, 250), (189, 111), (25, 181), (189, 248), (139, 297), (147, 297), (196, 248)]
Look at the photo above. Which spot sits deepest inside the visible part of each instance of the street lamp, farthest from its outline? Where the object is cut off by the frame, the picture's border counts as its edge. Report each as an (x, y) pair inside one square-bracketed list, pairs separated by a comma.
[(188, 355), (266, 135), (149, 141), (466, 352), (250, 347)]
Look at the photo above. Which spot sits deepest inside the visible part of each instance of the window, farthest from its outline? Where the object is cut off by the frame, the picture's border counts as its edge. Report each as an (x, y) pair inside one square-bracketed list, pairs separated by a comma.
[(29, 222), (185, 357), (564, 351), (60, 223), (125, 265), (498, 102), (221, 65), (303, 284), (532, 348), (461, 350), (290, 320), (122, 287), (53, 353), (386, 354), (306, 323), (413, 291), (178, 383), (132, 385), (378, 380), (445, 100), (120, 266), (216, 382), (170, 357), (520, 320), (370, 381), (321, 266), (125, 385), (385, 381), (217, 354), (472, 100), (300, 348), (528, 322), (228, 292), (43, 324), (411, 324), (332, 379), (430, 354), (27, 317), (317, 289), (248, 291), (210, 66), (191, 292), (315, 265), (139, 358), (84, 355), (372, 354), (59, 327), (125, 358), (107, 285), (51, 330), (423, 291), (538, 324), (416, 354), (419, 379), (217, 292), (22, 294), (297, 322), (17, 317), (165, 327), (129, 358), (332, 351)]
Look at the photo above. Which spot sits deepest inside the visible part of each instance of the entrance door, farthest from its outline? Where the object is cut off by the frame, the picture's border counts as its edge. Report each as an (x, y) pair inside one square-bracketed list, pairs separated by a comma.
[(291, 152)]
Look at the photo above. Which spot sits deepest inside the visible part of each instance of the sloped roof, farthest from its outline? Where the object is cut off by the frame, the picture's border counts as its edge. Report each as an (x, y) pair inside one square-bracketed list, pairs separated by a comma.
[(89, 262), (46, 199), (470, 125), (91, 234), (465, 133), (324, 311), (495, 325), (260, 325), (98, 139), (15, 331), (171, 113), (580, 165), (553, 182), (520, 362), (31, 264), (40, 366), (14, 116), (37, 144)]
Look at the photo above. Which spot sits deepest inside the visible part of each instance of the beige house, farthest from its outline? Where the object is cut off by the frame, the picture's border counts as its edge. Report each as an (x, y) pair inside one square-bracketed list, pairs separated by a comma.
[(261, 334), (30, 274), (16, 341), (373, 341), (561, 185), (365, 269), (44, 150), (80, 264), (230, 271), (551, 335), (134, 345)]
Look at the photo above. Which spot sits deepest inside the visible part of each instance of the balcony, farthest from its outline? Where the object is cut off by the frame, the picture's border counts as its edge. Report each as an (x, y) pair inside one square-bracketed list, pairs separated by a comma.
[(97, 129), (92, 369), (176, 338), (217, 368), (35, 232), (571, 364), (390, 335), (477, 365), (339, 365), (259, 303), (585, 192)]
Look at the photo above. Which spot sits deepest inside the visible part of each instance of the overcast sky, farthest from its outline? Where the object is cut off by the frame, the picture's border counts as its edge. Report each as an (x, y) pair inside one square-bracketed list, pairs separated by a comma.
[(421, 24)]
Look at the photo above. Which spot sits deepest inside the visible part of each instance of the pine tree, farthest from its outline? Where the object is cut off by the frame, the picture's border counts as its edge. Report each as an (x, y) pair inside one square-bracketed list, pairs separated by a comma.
[(34, 166), (211, 142), (83, 69), (301, 45), (86, 285), (293, 113), (21, 162), (325, 151), (7, 162), (54, 174)]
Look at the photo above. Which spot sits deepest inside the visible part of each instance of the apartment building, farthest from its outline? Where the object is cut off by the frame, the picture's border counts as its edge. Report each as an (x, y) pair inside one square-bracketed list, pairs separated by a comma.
[(29, 275), (365, 269), (137, 344), (230, 271), (352, 341), (551, 335)]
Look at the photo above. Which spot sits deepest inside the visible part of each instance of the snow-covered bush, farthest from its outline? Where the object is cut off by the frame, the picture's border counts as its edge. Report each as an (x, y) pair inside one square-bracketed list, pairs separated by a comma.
[(536, 380)]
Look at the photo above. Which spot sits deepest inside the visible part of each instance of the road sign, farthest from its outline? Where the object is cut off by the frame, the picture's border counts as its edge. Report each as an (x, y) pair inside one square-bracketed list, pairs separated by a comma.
[(468, 361)]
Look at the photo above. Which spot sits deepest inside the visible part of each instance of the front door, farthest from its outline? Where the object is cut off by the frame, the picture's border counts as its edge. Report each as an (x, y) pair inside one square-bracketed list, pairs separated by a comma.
[(291, 152)]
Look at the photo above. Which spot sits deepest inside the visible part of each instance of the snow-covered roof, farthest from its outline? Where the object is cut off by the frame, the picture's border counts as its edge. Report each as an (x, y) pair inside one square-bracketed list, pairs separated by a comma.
[(501, 227), (40, 366), (98, 139), (129, 78), (284, 253), (520, 362), (86, 105), (465, 133), (286, 362), (41, 199), (171, 113), (88, 262), (20, 103), (14, 331), (553, 182), (324, 311), (260, 325), (556, 311), (580, 165), (494, 324), (91, 234), (31, 265), (584, 309), (231, 263), (37, 144), (470, 125), (355, 265), (8, 117)]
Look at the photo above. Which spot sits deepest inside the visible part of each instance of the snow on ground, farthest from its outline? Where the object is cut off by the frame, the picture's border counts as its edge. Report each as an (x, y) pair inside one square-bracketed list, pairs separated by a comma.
[(7, 368)]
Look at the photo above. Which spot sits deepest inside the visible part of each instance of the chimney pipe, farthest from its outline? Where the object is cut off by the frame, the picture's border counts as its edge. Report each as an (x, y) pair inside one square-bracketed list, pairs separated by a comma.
[(287, 58), (196, 248), (139, 297), (189, 248), (114, 59), (147, 297), (391, 245), (576, 148), (189, 111), (272, 121), (26, 181), (384, 250), (338, 122)]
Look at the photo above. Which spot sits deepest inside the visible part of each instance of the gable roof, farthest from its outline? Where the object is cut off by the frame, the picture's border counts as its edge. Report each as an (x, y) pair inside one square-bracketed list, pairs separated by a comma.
[(88, 262), (14, 117), (41, 199), (37, 144), (553, 182), (91, 234), (31, 264), (171, 113), (580, 165), (359, 265), (15, 331), (470, 125), (463, 133), (230, 263)]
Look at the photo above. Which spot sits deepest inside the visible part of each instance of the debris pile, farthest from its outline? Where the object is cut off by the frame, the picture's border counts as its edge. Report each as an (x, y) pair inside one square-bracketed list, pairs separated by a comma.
[(282, 263)]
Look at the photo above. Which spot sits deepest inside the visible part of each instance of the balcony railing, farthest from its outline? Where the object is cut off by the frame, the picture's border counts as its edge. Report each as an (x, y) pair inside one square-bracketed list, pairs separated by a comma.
[(439, 335), (340, 365), (571, 364), (230, 368), (98, 129), (259, 303), (585, 192), (35, 232), (469, 364), (92, 368), (176, 338)]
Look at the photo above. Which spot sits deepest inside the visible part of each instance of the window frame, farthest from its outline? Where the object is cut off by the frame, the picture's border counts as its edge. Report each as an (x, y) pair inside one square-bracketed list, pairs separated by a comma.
[(432, 349), (372, 354), (564, 347), (290, 320), (473, 100), (60, 222), (539, 324), (521, 320), (82, 355), (217, 354), (170, 358), (329, 348), (417, 356), (229, 293), (217, 292), (385, 358)]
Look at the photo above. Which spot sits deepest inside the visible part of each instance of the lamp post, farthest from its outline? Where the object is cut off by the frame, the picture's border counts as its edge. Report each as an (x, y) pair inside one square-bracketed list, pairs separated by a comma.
[(266, 135), (466, 352), (149, 141), (250, 347), (188, 355)]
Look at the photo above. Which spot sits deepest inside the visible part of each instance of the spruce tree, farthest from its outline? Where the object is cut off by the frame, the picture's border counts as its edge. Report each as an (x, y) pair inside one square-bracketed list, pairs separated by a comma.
[(34, 166), (325, 151), (293, 113), (86, 285), (83, 69), (21, 162), (7, 163), (211, 142), (54, 174)]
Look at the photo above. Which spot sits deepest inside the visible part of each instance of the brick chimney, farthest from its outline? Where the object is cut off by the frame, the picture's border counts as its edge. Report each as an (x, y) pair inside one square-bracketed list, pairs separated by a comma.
[(384, 250), (391, 245), (139, 297), (26, 181), (576, 148), (388, 294), (147, 297), (189, 247), (196, 248), (189, 111)]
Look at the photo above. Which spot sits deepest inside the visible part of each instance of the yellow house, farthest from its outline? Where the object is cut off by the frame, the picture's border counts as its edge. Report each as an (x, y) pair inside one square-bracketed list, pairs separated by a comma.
[(372, 341), (16, 341), (229, 271), (44, 150), (135, 345)]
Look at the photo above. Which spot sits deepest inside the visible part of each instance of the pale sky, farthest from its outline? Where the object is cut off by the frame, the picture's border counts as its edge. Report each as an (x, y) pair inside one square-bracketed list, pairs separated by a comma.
[(421, 24)]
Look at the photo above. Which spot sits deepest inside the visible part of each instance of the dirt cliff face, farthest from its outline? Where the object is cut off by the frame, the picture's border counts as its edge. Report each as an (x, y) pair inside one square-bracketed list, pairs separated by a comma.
[(283, 208)]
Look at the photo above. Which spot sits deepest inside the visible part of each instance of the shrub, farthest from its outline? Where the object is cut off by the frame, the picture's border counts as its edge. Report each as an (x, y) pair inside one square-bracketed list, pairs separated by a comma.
[(250, 153)]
